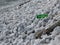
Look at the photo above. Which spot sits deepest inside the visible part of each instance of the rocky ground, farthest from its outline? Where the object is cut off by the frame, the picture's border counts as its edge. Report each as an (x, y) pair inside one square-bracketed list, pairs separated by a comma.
[(19, 25)]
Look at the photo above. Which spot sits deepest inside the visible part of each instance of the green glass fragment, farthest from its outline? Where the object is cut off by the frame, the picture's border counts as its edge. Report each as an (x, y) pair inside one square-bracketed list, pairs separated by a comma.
[(41, 16)]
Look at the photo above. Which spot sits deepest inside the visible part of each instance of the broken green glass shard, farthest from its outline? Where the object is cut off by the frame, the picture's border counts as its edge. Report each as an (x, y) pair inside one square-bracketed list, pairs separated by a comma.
[(41, 16)]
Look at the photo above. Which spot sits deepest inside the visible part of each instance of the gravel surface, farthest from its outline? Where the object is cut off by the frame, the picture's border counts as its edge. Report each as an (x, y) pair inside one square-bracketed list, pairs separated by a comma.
[(19, 25)]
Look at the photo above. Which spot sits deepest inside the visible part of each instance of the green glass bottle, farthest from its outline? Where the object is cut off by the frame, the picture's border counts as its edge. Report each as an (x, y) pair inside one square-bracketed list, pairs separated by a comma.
[(41, 16)]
